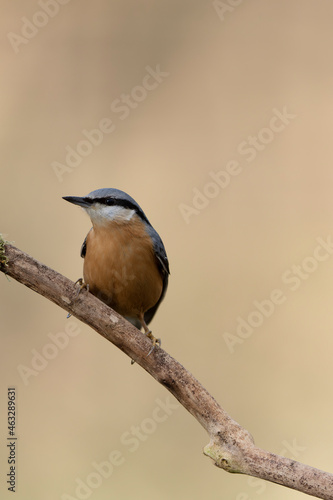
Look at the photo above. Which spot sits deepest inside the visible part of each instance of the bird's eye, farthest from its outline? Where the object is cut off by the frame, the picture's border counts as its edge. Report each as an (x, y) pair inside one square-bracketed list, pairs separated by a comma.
[(109, 201)]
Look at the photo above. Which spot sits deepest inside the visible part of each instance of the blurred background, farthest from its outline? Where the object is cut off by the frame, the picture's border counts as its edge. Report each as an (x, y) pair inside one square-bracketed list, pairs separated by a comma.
[(216, 117)]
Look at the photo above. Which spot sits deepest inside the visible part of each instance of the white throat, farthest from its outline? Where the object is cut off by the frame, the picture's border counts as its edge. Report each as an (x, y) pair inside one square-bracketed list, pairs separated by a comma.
[(101, 214)]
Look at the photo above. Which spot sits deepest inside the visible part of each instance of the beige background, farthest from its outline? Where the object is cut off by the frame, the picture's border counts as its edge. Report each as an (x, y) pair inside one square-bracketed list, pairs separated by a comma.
[(225, 78)]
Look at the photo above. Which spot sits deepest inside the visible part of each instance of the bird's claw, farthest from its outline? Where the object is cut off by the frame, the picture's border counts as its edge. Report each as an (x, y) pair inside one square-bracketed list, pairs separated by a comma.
[(156, 342), (81, 287)]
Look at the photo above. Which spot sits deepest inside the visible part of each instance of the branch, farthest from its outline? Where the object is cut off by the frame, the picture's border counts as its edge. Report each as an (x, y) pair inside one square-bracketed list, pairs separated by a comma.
[(231, 446)]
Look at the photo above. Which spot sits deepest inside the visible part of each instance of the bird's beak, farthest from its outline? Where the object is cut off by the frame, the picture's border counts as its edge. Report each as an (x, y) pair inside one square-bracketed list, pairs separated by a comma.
[(76, 200)]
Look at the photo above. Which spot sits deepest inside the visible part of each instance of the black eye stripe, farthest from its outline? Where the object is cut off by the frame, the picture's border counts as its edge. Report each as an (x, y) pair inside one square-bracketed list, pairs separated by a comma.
[(122, 203)]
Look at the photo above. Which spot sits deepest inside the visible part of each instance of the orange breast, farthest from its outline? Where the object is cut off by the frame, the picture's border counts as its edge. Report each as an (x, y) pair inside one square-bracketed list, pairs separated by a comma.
[(120, 267)]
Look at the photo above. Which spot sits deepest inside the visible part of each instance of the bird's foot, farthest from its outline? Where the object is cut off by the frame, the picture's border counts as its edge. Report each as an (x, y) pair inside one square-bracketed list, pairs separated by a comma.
[(81, 287), (156, 342)]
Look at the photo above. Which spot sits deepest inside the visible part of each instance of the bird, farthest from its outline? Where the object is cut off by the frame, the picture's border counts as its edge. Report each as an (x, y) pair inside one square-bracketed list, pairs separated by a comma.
[(125, 261)]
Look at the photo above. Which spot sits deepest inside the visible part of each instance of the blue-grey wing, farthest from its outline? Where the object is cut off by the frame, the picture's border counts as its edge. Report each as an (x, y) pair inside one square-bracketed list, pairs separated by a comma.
[(84, 247), (163, 266)]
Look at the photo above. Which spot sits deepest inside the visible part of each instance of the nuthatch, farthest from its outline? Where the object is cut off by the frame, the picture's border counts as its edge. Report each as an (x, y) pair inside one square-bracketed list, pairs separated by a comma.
[(125, 262)]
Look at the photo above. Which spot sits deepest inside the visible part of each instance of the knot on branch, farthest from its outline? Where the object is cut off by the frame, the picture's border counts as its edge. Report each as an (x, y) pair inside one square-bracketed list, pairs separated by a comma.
[(229, 451)]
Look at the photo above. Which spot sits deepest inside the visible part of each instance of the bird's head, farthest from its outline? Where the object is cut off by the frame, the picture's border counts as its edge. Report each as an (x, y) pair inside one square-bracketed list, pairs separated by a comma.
[(107, 205)]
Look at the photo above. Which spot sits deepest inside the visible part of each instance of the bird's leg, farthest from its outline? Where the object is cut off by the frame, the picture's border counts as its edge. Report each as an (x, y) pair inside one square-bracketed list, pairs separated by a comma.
[(81, 287), (155, 341)]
